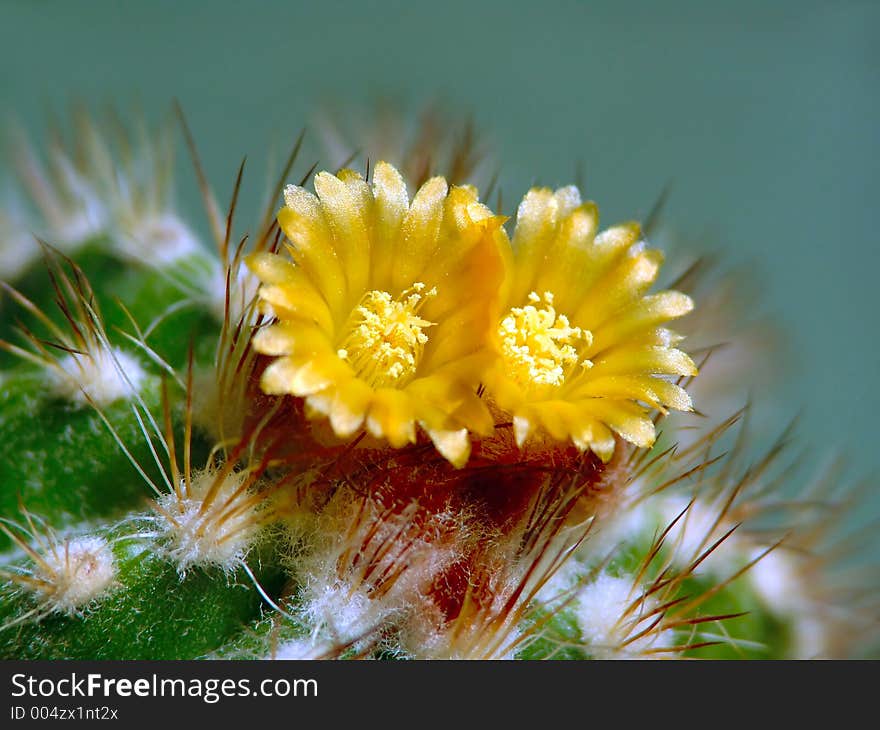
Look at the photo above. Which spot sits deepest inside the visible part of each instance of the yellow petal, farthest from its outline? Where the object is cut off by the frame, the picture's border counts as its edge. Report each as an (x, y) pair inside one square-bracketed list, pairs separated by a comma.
[(609, 246), (391, 206), (633, 360), (467, 225), (569, 258), (419, 234), (653, 391), (467, 308), (301, 302), (274, 340), (456, 336), (361, 193), (312, 248), (625, 418), (271, 268), (317, 373), (345, 216), (454, 446), (522, 428), (290, 338), (349, 407), (277, 376), (556, 417), (391, 417), (588, 433), (644, 314), (504, 389), (536, 219), (623, 284), (446, 401)]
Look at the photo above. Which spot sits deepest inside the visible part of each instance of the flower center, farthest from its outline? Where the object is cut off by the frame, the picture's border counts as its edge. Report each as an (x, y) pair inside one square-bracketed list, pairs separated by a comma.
[(539, 346), (385, 339)]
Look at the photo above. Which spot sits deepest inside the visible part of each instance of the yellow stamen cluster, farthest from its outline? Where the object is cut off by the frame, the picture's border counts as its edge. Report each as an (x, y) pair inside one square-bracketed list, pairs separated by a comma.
[(386, 338), (539, 346)]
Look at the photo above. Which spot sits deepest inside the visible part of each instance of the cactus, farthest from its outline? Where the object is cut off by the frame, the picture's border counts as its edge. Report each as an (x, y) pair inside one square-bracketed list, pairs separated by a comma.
[(385, 423)]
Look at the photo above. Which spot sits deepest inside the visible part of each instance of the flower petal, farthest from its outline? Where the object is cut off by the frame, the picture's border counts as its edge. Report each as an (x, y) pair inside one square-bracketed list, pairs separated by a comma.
[(625, 418), (303, 302), (391, 416), (454, 446), (311, 246), (419, 234), (645, 313), (391, 206), (346, 217), (654, 391)]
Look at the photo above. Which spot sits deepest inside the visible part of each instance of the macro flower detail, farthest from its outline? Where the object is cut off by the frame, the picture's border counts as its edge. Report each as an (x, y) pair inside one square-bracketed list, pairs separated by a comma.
[(539, 345), (384, 307), (583, 349), (386, 337)]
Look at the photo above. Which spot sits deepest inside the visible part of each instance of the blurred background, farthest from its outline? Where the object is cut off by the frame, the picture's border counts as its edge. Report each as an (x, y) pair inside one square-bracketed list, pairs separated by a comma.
[(763, 118)]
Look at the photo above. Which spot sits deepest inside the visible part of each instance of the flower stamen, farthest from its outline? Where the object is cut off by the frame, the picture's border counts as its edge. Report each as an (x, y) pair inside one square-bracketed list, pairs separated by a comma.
[(539, 346), (385, 337)]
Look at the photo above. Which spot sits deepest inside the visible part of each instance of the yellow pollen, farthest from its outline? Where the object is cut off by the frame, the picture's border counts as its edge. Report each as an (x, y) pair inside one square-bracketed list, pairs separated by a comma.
[(385, 337), (539, 346)]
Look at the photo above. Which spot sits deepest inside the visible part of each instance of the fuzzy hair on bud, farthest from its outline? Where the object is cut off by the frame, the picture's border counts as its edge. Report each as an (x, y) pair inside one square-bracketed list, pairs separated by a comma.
[(360, 573), (607, 629), (101, 377), (76, 573), (210, 521), (66, 575)]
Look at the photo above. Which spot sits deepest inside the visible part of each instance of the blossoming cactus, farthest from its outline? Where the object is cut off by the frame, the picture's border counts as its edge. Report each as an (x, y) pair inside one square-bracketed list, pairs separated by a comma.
[(390, 422)]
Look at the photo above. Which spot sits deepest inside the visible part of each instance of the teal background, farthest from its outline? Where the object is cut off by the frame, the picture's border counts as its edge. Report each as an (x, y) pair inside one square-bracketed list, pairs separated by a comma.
[(764, 116)]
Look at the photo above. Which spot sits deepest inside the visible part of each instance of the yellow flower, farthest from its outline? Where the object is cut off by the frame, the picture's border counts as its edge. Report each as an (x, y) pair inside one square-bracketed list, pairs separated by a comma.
[(582, 347), (384, 312)]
